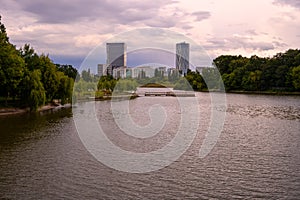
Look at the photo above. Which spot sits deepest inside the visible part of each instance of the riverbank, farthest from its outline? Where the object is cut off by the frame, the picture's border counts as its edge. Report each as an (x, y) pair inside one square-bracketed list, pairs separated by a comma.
[(263, 92), (15, 111), (283, 93)]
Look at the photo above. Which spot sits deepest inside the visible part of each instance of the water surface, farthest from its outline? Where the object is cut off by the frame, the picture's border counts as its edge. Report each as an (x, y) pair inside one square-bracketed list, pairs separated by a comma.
[(256, 156)]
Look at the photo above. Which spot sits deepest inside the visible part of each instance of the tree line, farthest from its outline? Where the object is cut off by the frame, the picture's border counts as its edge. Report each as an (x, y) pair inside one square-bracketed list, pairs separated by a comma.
[(31, 80), (280, 73)]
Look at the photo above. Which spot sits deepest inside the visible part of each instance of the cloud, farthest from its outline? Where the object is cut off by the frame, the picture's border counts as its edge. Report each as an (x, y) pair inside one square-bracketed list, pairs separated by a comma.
[(72, 29), (251, 32), (293, 3), (201, 15), (243, 42), (63, 11)]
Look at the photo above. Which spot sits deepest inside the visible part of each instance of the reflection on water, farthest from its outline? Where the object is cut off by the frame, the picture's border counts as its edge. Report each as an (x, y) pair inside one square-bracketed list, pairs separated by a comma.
[(257, 155), (279, 112)]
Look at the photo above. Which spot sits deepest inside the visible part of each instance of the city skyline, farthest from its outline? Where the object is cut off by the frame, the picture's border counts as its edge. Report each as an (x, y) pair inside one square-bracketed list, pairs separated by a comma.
[(116, 56), (69, 31)]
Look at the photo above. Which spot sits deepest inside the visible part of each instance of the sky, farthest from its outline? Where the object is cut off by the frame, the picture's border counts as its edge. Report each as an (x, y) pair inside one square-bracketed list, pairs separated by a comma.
[(70, 31)]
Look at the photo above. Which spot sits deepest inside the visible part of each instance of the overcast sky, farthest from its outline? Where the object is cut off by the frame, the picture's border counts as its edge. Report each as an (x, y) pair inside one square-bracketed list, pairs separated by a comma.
[(68, 30)]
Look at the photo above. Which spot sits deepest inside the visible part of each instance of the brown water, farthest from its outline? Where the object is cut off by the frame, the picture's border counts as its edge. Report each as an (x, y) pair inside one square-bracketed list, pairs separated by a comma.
[(256, 156)]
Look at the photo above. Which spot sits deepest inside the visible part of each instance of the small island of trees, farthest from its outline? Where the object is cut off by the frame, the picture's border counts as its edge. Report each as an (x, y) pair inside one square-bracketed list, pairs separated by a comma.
[(30, 80)]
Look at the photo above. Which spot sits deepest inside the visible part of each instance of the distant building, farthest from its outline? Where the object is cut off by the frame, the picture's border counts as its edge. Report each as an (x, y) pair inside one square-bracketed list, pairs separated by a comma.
[(182, 57), (102, 70), (142, 72), (116, 56), (162, 70), (119, 72), (129, 72), (171, 71), (200, 69)]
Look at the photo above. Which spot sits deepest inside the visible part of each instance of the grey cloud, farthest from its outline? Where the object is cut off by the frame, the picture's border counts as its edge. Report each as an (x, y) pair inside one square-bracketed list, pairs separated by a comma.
[(242, 42), (251, 32), (293, 3), (201, 15), (125, 12), (279, 44), (186, 27), (122, 12), (161, 22)]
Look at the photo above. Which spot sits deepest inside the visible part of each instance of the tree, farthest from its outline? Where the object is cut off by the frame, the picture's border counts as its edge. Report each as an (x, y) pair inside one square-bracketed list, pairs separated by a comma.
[(12, 66), (183, 84), (65, 88), (32, 59), (68, 70), (251, 81), (106, 84), (32, 90), (295, 74), (212, 78), (3, 35), (124, 85), (86, 75), (50, 79)]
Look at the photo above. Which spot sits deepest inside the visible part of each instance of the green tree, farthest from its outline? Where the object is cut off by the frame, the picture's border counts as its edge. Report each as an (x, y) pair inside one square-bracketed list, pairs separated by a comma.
[(106, 84), (125, 85), (32, 90), (50, 79), (295, 74), (86, 75), (212, 78), (12, 66), (68, 70), (183, 84), (251, 81), (65, 88)]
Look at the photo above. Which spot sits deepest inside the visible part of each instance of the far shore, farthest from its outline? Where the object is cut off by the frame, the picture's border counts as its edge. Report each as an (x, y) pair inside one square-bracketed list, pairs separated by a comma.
[(277, 93), (15, 111), (264, 92)]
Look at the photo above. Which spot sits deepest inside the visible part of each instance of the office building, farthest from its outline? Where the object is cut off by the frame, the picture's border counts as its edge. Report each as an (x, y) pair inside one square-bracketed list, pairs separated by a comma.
[(144, 72), (162, 71), (102, 70), (116, 56), (182, 57)]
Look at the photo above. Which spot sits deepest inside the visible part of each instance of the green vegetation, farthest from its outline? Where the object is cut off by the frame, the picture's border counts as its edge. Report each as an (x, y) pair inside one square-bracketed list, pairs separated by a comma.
[(280, 73), (31, 80), (125, 85)]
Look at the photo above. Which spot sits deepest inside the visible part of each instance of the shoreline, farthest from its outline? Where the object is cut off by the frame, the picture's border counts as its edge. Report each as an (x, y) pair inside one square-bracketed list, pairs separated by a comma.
[(277, 93), (16, 111)]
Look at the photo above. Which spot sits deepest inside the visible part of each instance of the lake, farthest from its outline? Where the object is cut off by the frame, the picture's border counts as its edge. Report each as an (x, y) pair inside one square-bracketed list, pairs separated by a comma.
[(257, 154)]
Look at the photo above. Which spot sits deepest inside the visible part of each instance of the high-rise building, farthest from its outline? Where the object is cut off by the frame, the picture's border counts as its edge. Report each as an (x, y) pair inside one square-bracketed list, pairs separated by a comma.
[(116, 56), (182, 57), (102, 70)]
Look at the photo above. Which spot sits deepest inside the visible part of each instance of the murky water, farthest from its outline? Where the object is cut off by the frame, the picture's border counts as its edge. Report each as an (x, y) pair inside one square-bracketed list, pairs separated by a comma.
[(256, 156)]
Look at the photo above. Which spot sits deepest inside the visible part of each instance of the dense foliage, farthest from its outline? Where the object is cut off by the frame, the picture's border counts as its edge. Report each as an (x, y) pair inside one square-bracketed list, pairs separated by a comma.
[(31, 80), (278, 73)]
